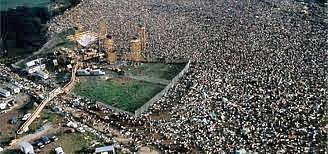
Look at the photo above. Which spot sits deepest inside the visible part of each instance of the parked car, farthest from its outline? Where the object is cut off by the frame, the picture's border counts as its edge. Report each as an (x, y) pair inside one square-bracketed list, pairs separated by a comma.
[(39, 129), (45, 139), (72, 124), (13, 120), (26, 116), (39, 143), (53, 138), (81, 130)]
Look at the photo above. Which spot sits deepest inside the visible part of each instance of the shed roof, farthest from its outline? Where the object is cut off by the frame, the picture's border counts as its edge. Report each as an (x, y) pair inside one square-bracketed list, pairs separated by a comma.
[(105, 149)]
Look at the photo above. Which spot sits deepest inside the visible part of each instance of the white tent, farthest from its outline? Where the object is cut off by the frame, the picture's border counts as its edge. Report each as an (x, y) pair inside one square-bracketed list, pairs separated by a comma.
[(59, 150), (3, 106), (105, 149), (26, 148), (86, 39), (241, 151)]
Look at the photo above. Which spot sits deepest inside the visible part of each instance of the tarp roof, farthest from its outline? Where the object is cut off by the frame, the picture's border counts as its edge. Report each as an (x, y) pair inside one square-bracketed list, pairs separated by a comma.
[(26, 147), (86, 39), (104, 149)]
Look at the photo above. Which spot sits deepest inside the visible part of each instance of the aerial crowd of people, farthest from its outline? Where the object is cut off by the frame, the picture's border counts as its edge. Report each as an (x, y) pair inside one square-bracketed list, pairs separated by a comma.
[(257, 81)]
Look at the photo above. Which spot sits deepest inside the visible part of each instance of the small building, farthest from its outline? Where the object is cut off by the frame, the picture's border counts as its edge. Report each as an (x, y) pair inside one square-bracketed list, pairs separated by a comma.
[(4, 92), (34, 62), (69, 66), (59, 150), (88, 71), (98, 72), (105, 150), (82, 72), (13, 88), (36, 68), (35, 65), (55, 62), (26, 148), (241, 151), (41, 74), (72, 124), (3, 106)]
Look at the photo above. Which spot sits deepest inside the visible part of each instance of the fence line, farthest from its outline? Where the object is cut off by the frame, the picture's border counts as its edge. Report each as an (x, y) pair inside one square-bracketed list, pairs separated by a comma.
[(146, 106), (114, 108), (165, 61)]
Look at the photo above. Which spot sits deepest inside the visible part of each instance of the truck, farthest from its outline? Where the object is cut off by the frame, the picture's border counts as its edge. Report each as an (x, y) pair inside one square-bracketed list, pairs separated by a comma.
[(4, 92)]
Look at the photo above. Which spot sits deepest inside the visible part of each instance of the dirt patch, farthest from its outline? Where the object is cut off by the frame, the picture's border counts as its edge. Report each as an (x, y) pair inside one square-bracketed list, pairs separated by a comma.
[(160, 116), (147, 150), (48, 129), (8, 130)]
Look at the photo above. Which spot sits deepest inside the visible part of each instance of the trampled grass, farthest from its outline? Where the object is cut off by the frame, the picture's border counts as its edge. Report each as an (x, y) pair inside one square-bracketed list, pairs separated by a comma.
[(124, 93)]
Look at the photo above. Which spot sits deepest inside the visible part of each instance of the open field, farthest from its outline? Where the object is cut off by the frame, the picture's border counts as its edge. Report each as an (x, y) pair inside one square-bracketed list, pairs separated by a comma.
[(46, 117), (124, 93), (71, 143), (7, 130)]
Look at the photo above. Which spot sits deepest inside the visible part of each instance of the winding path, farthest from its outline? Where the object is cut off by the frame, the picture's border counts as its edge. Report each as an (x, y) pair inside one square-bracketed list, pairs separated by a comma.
[(51, 95)]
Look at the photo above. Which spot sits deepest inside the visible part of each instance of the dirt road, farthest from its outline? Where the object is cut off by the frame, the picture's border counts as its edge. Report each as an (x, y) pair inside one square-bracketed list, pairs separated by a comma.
[(48, 129)]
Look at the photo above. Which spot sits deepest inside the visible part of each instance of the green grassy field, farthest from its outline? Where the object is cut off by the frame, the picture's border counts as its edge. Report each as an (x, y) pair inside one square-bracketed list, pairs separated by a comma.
[(46, 116), (156, 70), (123, 93)]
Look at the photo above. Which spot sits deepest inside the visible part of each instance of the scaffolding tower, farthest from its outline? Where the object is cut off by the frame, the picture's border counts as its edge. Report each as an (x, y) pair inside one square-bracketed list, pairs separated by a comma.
[(109, 49), (136, 50)]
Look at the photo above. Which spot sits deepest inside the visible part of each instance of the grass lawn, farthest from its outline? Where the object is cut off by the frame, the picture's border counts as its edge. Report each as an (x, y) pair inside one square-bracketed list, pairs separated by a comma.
[(46, 116), (124, 93), (156, 70), (4, 138), (71, 143)]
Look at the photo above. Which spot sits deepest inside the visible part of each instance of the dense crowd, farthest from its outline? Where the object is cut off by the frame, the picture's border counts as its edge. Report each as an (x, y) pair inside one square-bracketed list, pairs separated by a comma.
[(258, 79)]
